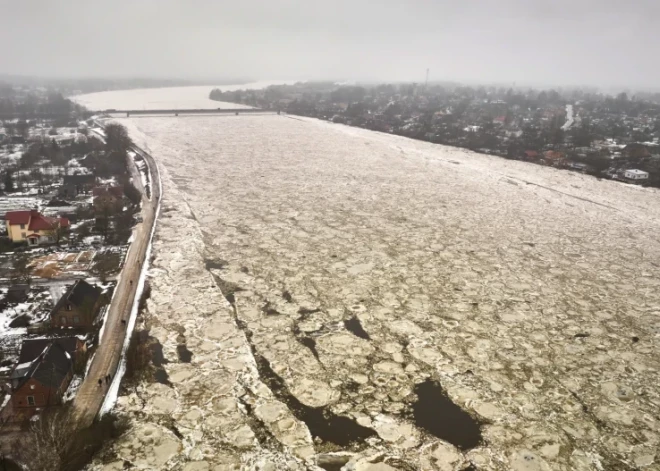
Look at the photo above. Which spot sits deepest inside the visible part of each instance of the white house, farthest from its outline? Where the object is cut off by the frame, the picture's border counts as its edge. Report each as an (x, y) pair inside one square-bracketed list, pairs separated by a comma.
[(635, 174)]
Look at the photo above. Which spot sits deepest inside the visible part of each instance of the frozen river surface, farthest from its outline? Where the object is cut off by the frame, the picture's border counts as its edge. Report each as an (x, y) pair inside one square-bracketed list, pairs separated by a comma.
[(162, 98), (323, 294)]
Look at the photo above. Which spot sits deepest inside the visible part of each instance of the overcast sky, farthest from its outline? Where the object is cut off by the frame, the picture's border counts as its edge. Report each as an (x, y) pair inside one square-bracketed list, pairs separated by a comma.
[(544, 42)]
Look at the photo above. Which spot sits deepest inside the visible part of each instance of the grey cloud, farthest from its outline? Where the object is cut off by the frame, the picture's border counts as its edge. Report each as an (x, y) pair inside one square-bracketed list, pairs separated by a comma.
[(546, 42)]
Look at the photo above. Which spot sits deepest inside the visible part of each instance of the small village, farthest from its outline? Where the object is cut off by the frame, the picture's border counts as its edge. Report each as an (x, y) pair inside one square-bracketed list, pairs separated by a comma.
[(612, 137), (68, 203)]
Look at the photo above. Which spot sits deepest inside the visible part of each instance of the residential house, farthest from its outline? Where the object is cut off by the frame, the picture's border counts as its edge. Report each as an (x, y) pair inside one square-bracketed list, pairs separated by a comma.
[(636, 150), (74, 346), (531, 155), (554, 157), (635, 174), (75, 185), (33, 227), (78, 307), (41, 378)]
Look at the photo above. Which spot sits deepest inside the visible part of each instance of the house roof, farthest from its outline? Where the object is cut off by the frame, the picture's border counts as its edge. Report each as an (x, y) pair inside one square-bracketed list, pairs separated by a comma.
[(39, 222), (32, 348), (36, 220), (50, 367), (78, 294), (17, 217)]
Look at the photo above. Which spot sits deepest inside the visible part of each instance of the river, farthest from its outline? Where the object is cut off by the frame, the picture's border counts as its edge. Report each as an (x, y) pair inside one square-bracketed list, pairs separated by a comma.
[(327, 295), (570, 120)]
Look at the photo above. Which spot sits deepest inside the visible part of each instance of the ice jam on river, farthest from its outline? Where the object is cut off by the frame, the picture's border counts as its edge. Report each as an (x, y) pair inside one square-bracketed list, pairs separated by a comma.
[(333, 298)]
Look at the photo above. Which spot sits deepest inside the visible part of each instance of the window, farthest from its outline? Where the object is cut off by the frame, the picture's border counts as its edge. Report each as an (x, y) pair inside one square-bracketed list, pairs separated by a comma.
[(76, 319), (22, 226), (30, 400), (62, 320), (68, 307), (23, 235)]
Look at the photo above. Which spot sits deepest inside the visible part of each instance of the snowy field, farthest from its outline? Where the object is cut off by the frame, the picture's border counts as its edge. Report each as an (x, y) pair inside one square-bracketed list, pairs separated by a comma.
[(310, 275), (163, 98)]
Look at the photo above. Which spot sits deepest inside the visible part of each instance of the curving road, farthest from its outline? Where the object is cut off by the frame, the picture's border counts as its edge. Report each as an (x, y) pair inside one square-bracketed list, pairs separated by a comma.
[(90, 396)]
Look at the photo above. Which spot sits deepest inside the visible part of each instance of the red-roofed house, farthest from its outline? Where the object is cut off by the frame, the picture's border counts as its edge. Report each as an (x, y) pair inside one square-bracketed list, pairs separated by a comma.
[(33, 227)]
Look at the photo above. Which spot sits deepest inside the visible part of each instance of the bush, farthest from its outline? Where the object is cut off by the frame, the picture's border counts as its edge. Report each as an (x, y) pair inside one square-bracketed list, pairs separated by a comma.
[(132, 193), (57, 442)]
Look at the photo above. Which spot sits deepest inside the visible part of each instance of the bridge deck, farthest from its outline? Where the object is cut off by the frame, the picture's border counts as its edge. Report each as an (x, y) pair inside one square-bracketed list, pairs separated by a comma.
[(189, 111)]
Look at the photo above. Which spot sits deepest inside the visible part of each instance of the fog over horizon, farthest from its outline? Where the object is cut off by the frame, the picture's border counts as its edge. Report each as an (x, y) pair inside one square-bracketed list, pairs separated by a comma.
[(602, 43)]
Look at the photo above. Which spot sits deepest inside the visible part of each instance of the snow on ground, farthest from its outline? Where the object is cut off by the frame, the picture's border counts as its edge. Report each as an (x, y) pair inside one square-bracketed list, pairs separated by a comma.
[(11, 313), (70, 393), (361, 265)]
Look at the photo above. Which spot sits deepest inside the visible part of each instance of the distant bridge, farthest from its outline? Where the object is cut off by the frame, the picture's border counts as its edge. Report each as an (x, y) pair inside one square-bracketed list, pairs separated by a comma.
[(190, 111)]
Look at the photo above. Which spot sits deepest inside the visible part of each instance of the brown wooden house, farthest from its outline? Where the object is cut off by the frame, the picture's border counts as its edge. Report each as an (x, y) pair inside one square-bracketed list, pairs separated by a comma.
[(78, 307), (41, 381)]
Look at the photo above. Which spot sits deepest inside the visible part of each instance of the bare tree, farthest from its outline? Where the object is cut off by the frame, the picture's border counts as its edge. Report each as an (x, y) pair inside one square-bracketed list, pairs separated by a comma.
[(21, 269), (58, 442), (117, 139), (56, 231)]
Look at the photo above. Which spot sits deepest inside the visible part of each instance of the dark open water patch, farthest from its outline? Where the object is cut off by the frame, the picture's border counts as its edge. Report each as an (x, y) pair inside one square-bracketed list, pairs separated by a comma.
[(353, 325), (306, 312), (227, 288), (305, 339), (437, 414), (321, 422), (162, 377), (310, 343), (332, 462), (157, 357), (269, 310), (185, 355), (214, 264)]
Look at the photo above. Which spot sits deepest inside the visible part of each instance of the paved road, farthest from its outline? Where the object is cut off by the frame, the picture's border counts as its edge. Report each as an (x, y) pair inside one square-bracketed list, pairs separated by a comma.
[(90, 396)]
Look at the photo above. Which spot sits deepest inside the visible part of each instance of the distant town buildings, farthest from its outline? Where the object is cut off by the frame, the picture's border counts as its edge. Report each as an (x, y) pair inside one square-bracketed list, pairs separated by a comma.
[(576, 130), (635, 174)]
